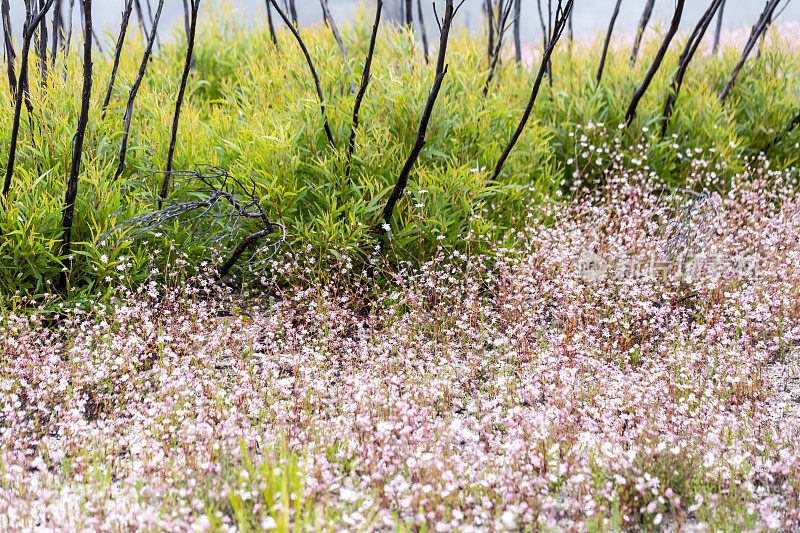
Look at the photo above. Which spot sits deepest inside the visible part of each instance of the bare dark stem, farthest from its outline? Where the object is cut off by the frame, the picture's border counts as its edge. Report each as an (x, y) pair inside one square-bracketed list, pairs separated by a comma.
[(423, 31), (718, 30), (41, 47), (338, 37), (31, 22), (8, 40), (562, 15), (123, 29), (365, 77), (419, 143), (651, 72), (490, 30), (313, 70), (126, 121), (683, 62), (272, 34), (607, 41), (58, 32), (517, 41), (71, 192), (755, 33), (187, 67), (504, 10), (648, 11)]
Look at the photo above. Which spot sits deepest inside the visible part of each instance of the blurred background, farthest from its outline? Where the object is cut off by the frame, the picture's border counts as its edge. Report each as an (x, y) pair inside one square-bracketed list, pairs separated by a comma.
[(590, 16)]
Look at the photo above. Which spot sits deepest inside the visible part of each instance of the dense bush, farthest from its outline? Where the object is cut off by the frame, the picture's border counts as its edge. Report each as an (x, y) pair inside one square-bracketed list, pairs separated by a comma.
[(254, 112)]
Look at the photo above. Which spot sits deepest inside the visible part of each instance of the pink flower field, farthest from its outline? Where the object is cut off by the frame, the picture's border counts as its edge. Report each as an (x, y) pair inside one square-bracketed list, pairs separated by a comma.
[(628, 361)]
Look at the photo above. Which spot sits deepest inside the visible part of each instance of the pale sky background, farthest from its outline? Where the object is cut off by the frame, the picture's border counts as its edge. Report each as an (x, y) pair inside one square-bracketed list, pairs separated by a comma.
[(590, 15)]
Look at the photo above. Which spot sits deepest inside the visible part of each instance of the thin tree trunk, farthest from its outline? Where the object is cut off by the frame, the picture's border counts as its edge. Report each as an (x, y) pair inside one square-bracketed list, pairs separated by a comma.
[(683, 62), (293, 11), (517, 41), (490, 29), (718, 30), (11, 56), (58, 23), (71, 192), (503, 11), (562, 15), (607, 42), (140, 16), (179, 102), (31, 22), (123, 29), (365, 78), (648, 11), (338, 37), (419, 143), (272, 34), (69, 32), (41, 47), (651, 72), (755, 33), (409, 15), (423, 31), (126, 121), (311, 67)]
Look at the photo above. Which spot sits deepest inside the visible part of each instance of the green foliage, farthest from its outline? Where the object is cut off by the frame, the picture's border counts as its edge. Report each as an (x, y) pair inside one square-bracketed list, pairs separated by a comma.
[(255, 112)]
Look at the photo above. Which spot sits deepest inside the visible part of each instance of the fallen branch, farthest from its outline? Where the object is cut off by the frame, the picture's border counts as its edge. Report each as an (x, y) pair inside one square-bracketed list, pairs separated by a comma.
[(220, 217)]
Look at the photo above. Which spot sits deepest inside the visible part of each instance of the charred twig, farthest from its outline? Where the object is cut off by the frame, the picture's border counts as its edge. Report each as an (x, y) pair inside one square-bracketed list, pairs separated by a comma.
[(718, 30), (229, 204), (607, 42), (409, 15), (123, 150), (682, 225), (272, 34), (311, 67), (179, 102), (140, 16), (441, 69), (648, 11), (77, 148), (41, 46), (504, 10), (31, 22), (755, 33), (517, 42), (8, 41), (490, 30), (293, 12), (651, 72), (365, 77), (423, 31), (338, 37), (58, 32), (683, 62), (123, 29), (562, 15)]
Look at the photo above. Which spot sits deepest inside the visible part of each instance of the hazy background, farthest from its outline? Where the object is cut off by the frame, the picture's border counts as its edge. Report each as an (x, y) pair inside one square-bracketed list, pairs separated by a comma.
[(590, 15)]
